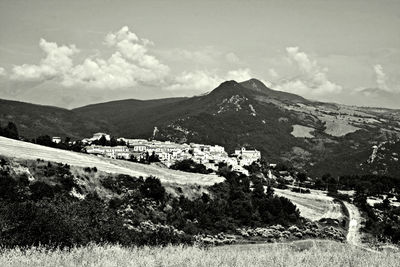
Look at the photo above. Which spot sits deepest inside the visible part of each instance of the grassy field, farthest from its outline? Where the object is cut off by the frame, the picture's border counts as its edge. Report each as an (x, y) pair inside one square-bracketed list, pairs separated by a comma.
[(313, 206), (23, 150), (296, 254)]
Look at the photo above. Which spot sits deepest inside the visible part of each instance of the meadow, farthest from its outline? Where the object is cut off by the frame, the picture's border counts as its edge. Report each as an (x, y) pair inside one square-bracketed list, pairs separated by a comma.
[(314, 206), (303, 253)]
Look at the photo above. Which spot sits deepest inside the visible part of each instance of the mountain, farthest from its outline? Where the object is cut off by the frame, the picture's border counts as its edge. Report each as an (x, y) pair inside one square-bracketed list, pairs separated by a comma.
[(258, 86), (314, 136), (317, 137), (35, 120)]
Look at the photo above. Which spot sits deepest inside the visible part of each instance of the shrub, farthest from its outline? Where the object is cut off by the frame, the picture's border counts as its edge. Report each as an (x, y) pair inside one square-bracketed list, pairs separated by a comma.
[(188, 165), (152, 188)]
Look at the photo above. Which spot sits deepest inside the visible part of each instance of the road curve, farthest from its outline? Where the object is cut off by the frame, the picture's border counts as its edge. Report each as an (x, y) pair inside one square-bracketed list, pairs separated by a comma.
[(355, 219)]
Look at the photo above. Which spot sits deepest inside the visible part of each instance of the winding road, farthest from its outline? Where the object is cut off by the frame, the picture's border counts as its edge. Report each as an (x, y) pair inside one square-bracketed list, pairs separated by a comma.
[(355, 219)]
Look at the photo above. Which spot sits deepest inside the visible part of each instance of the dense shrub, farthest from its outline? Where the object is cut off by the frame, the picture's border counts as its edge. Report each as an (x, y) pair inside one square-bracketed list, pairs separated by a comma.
[(152, 188), (43, 212), (9, 131), (188, 165)]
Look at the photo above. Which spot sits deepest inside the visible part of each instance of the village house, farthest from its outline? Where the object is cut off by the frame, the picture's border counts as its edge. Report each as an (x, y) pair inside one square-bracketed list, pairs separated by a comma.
[(56, 139), (95, 137), (170, 152), (247, 157), (136, 147), (116, 152)]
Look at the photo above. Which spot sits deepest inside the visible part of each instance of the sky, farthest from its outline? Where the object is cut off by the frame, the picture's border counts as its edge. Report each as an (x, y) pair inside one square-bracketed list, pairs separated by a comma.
[(74, 53)]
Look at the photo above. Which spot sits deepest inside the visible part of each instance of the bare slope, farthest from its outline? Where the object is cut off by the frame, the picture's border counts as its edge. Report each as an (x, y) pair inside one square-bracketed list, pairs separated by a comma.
[(24, 150), (314, 206)]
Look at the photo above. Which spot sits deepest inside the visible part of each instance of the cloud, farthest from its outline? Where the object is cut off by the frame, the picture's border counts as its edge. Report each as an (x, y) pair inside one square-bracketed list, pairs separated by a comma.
[(239, 75), (232, 58), (206, 56), (313, 79), (57, 62), (381, 79), (199, 80), (202, 80), (273, 74), (2, 72), (129, 65)]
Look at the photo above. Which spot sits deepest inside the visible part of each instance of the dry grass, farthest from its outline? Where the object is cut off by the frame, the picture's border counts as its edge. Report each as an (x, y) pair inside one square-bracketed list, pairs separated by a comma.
[(302, 131), (313, 206), (319, 254), (23, 150)]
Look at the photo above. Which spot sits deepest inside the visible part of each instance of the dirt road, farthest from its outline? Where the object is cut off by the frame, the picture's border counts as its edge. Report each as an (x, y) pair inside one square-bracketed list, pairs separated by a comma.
[(353, 235), (24, 150)]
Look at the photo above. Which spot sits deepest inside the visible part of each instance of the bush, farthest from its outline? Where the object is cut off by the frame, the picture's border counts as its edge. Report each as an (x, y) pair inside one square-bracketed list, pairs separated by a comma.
[(152, 188), (188, 165)]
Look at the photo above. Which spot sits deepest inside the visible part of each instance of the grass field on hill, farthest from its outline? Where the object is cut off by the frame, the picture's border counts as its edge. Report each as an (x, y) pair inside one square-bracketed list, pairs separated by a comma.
[(24, 150), (319, 253), (313, 206)]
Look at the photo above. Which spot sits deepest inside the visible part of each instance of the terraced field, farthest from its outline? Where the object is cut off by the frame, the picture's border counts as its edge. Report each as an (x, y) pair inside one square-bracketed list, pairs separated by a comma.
[(24, 150)]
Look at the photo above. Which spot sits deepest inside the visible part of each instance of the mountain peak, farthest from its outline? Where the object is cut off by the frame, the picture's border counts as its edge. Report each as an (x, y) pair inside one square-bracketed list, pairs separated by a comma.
[(227, 87), (255, 84)]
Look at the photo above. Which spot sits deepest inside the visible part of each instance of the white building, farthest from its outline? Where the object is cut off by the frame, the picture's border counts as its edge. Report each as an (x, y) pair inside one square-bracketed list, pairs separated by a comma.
[(97, 136), (109, 152), (56, 139), (247, 157)]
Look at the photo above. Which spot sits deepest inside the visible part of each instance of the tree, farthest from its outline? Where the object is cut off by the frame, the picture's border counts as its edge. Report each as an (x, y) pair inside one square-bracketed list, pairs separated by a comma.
[(386, 204), (102, 141), (270, 191), (301, 177), (10, 131), (154, 157), (113, 141), (45, 140), (152, 188)]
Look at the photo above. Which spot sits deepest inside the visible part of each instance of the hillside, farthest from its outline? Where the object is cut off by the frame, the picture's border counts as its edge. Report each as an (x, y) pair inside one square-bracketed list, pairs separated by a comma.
[(313, 136), (23, 150), (35, 120)]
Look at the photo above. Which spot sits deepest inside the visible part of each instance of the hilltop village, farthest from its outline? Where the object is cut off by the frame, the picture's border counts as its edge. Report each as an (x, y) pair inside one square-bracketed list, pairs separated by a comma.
[(169, 153)]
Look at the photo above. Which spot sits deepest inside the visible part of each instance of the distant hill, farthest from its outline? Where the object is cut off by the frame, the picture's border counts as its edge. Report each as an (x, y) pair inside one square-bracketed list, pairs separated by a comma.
[(314, 136), (34, 120)]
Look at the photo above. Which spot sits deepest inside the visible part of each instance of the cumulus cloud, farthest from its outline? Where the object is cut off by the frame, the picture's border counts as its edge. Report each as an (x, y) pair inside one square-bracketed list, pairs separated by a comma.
[(199, 80), (130, 64), (273, 74), (202, 81), (206, 56), (57, 62), (312, 80), (239, 75), (2, 71), (381, 79), (232, 58)]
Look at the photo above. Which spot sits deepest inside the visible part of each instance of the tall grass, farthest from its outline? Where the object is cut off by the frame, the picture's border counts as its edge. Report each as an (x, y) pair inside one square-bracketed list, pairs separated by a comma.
[(316, 254)]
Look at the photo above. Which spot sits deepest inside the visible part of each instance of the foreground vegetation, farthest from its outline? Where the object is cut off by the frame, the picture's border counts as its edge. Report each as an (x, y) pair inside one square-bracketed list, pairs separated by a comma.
[(53, 204), (311, 253)]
